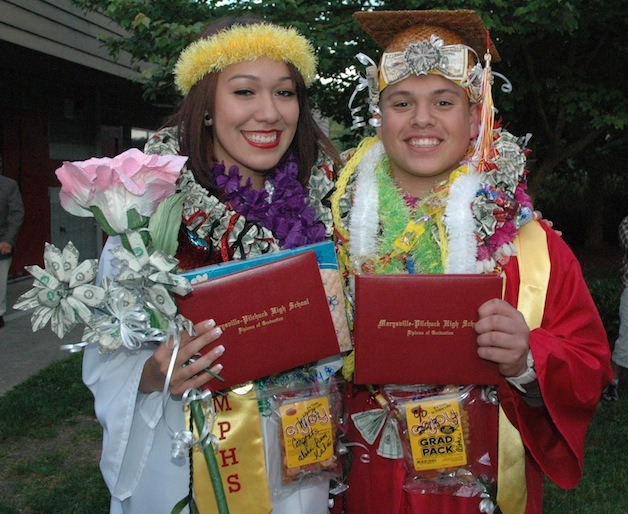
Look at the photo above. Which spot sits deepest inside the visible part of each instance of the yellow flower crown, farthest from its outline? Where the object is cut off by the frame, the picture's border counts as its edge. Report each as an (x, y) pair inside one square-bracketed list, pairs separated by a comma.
[(244, 43)]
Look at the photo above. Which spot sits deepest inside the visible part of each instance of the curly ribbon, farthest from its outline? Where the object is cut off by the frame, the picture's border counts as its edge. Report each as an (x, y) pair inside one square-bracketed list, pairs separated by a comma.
[(365, 457), (473, 79), (358, 121), (487, 506), (506, 87), (181, 444), (74, 347), (131, 322), (202, 408), (370, 82), (205, 399)]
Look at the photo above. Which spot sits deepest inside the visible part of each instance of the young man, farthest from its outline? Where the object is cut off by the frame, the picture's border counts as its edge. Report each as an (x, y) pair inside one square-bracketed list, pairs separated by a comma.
[(442, 190)]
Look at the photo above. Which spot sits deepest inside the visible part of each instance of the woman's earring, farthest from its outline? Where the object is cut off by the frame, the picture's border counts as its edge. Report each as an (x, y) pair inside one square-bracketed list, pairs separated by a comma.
[(208, 120)]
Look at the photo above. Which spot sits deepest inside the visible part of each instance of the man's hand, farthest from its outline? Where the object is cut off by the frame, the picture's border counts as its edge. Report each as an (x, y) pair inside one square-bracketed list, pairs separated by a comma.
[(503, 337), (5, 248)]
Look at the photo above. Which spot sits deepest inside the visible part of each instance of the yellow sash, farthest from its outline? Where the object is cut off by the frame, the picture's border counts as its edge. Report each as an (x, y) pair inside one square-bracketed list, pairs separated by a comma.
[(240, 458), (534, 271)]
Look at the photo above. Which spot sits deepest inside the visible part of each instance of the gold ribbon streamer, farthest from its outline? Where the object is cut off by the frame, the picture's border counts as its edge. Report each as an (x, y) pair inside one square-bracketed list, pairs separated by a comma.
[(534, 271), (240, 458)]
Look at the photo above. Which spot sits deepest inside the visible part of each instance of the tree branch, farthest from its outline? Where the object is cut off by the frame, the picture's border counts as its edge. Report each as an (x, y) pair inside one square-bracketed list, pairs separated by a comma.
[(579, 145)]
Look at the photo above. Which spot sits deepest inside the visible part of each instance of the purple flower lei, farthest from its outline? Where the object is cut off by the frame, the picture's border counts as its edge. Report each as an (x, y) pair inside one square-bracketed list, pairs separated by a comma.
[(288, 215)]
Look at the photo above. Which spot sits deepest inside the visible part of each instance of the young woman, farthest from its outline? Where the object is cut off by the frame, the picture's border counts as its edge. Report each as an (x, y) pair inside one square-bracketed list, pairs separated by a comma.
[(259, 177)]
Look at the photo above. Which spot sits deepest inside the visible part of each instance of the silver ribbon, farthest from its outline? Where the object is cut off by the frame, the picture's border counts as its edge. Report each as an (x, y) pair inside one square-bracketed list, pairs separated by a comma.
[(369, 81), (182, 441), (74, 347), (487, 506), (124, 323)]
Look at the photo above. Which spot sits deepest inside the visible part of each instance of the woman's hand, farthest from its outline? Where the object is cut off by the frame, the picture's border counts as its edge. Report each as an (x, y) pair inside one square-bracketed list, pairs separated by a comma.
[(186, 374), (538, 215), (503, 337)]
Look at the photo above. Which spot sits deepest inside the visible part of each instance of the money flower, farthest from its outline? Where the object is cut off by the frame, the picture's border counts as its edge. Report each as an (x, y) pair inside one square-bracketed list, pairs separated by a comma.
[(134, 196), (63, 293), (139, 307)]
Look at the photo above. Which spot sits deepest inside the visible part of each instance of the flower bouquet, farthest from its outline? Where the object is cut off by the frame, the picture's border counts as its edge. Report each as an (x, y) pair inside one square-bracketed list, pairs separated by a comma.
[(132, 196)]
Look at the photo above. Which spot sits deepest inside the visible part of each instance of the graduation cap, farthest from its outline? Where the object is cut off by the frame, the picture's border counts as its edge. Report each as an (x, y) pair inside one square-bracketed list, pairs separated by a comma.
[(394, 30), (453, 44)]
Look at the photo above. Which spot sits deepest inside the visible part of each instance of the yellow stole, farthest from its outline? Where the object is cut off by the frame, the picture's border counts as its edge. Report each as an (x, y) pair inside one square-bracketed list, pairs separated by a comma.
[(534, 271), (240, 458)]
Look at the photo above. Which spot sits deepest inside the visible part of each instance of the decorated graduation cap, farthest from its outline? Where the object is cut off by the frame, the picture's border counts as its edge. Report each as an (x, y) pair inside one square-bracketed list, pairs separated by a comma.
[(452, 44)]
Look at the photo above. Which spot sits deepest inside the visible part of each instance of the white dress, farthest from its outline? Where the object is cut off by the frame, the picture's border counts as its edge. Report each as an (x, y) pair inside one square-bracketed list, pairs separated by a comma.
[(135, 461)]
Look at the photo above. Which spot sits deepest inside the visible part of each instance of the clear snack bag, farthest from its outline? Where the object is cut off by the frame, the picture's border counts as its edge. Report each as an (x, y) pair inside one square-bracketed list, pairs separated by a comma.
[(301, 424), (449, 439)]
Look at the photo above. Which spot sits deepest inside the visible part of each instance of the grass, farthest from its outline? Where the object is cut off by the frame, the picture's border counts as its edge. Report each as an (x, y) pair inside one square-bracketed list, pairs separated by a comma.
[(51, 444), (601, 490)]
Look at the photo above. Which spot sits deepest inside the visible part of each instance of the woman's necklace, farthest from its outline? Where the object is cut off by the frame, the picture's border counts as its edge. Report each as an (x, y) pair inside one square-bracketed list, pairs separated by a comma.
[(282, 207)]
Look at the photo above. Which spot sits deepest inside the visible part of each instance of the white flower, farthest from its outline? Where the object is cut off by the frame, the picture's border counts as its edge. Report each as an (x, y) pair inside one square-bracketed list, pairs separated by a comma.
[(120, 190)]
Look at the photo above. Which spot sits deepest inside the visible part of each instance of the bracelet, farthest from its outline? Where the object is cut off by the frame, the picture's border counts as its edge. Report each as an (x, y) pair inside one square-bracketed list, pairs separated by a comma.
[(528, 376)]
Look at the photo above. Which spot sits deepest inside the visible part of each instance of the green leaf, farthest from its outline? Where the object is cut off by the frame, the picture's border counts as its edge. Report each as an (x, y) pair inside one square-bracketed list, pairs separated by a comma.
[(181, 504), (164, 224), (102, 221), (135, 220), (141, 19)]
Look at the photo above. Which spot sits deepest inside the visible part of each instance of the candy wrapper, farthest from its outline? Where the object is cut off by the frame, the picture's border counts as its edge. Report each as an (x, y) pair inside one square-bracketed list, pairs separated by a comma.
[(449, 439)]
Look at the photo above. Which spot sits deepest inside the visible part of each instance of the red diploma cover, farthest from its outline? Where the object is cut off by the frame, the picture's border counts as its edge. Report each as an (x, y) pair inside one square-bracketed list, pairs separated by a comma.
[(419, 329), (274, 317)]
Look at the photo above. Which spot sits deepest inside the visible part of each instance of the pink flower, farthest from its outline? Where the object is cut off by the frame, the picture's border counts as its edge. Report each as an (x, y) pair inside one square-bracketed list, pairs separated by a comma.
[(115, 186)]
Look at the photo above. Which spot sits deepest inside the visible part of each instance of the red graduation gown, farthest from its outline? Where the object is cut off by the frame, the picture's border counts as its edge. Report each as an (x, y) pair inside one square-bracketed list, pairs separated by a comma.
[(572, 361)]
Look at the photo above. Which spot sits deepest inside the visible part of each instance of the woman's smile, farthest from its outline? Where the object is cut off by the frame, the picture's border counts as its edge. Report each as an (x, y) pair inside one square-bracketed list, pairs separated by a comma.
[(263, 138)]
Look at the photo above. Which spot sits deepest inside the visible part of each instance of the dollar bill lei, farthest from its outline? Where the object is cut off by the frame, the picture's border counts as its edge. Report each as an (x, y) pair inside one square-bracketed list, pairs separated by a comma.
[(210, 221), (474, 240)]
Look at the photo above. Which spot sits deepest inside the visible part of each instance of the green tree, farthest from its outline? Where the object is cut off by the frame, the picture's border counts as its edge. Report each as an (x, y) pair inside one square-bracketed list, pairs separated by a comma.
[(566, 60)]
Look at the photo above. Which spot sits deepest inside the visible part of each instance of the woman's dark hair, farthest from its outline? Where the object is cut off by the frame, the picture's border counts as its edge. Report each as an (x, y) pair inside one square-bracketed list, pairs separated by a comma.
[(197, 141)]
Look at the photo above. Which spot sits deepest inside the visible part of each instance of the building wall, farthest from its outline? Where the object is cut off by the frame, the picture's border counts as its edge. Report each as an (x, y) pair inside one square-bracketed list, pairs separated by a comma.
[(59, 29), (61, 98)]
